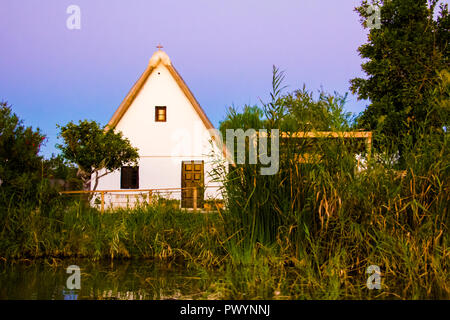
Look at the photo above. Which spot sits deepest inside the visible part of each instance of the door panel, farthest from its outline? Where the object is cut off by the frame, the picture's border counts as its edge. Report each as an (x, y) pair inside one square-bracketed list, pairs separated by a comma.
[(192, 175)]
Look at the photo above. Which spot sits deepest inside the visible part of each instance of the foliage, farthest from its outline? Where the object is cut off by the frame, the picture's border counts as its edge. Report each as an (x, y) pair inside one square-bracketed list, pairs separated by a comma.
[(274, 110), (266, 200), (291, 112), (311, 230), (62, 173), (94, 148), (304, 113), (404, 59), (69, 229), (20, 163), (442, 98), (329, 218)]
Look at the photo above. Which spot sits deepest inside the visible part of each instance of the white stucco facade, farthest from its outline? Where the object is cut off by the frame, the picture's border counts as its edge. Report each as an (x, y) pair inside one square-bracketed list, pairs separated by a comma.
[(162, 146)]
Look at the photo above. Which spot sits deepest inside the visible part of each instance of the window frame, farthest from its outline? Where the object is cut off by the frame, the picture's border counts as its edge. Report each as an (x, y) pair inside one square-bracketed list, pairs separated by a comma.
[(157, 108), (132, 175)]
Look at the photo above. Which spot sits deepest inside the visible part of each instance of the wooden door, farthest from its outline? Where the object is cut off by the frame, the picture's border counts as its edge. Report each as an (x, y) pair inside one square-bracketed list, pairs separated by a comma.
[(192, 175)]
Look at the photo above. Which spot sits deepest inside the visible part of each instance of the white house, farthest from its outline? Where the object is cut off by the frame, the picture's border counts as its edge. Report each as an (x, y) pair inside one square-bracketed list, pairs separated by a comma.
[(161, 117)]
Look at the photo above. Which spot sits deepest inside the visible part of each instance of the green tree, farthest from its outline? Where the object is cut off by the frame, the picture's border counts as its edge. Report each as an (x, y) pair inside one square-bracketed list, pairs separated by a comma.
[(295, 111), (404, 59), (94, 149), (442, 102), (307, 113), (61, 173), (20, 162)]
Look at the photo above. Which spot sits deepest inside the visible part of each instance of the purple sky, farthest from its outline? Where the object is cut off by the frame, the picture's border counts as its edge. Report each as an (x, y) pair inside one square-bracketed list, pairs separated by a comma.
[(224, 50)]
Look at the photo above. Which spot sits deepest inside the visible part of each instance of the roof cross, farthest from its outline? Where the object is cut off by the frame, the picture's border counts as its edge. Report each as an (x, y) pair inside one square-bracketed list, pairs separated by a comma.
[(159, 46)]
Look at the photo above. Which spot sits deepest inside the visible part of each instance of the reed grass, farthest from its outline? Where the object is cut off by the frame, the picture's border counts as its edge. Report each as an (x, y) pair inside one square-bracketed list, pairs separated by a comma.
[(322, 223), (77, 230), (308, 232)]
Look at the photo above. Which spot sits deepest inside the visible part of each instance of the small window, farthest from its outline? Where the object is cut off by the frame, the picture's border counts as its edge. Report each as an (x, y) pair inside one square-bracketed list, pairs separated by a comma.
[(129, 178), (160, 114)]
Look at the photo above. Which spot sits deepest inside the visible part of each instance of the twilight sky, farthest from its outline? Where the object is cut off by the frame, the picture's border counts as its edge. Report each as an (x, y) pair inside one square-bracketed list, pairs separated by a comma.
[(224, 50)]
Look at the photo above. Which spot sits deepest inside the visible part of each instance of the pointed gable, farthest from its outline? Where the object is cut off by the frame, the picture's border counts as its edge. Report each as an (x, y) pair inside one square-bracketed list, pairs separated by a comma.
[(159, 57)]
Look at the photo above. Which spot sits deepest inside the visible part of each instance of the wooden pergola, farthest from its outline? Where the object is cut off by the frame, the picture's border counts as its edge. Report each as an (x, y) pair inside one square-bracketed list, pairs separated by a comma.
[(367, 135)]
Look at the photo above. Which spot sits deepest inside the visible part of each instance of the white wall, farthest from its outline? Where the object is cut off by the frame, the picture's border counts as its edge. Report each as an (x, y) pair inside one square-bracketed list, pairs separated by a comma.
[(163, 145)]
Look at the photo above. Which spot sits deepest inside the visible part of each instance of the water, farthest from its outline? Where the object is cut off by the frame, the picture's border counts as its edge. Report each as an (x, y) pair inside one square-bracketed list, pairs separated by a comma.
[(134, 279)]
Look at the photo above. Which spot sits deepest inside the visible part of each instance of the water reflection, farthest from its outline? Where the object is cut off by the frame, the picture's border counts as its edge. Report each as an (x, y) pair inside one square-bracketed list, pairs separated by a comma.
[(70, 295), (130, 280)]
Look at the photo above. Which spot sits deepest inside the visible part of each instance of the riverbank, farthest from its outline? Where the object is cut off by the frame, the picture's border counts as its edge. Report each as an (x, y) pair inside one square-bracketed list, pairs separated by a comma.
[(75, 230), (198, 243)]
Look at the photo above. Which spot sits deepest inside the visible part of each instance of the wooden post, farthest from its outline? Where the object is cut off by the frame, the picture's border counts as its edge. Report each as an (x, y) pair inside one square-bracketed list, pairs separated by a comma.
[(195, 199), (102, 209), (150, 196), (369, 146)]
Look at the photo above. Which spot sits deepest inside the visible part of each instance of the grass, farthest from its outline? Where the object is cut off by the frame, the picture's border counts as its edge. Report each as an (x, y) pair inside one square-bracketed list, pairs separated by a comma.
[(76, 230), (308, 232), (312, 230), (320, 247)]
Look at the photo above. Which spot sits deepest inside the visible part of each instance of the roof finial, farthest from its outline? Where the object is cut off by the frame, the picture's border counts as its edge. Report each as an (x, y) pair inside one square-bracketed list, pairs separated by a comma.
[(159, 46)]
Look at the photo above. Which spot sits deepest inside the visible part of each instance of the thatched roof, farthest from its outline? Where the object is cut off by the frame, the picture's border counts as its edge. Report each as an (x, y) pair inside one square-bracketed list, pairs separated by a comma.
[(158, 58)]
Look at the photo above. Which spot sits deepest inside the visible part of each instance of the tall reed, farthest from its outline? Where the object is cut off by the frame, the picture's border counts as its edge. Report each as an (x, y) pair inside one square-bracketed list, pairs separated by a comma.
[(330, 219)]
